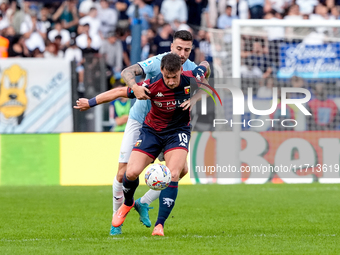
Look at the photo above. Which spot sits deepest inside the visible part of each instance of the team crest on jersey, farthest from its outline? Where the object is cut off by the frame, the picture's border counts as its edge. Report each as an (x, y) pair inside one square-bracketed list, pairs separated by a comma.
[(158, 104), (187, 90), (138, 143)]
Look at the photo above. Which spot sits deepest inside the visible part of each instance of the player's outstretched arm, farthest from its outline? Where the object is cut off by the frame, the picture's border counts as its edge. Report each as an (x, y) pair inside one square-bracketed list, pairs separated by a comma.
[(84, 104), (129, 76)]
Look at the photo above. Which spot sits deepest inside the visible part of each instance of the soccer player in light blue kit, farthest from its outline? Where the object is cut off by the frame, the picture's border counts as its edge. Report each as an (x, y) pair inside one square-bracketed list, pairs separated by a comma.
[(182, 45)]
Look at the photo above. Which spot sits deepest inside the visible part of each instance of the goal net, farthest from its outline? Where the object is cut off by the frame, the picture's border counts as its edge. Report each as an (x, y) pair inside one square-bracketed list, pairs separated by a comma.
[(277, 65)]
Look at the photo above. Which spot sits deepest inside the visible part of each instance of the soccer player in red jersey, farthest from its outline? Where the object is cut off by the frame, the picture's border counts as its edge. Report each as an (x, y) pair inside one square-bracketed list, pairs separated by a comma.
[(167, 126)]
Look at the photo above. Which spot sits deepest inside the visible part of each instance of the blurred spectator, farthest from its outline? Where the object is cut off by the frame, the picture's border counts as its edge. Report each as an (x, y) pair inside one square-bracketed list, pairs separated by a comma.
[(266, 90), (36, 53), (45, 18), (174, 10), (324, 111), (293, 12), (256, 8), (89, 50), (112, 49), (277, 5), (163, 40), (52, 51), (261, 59), (58, 30), (73, 53), (93, 21), (20, 16), (145, 46), (4, 44), (242, 9), (68, 14), (334, 13), (34, 32), (17, 47), (157, 8), (145, 13), (306, 6), (225, 20), (3, 21), (85, 7), (250, 71), (123, 18), (119, 112), (82, 38), (123, 35), (276, 36), (195, 9), (108, 18)]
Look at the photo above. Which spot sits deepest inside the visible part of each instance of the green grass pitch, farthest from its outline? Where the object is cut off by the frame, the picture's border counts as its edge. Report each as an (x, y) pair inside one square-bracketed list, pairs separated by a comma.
[(207, 219)]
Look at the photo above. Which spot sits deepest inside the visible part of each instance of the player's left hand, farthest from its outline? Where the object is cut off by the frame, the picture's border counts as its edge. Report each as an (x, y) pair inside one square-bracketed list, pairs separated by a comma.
[(82, 104), (186, 105)]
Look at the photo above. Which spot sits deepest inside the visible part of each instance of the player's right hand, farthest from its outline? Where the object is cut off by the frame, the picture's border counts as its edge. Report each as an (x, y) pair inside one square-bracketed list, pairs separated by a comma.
[(141, 92), (82, 104)]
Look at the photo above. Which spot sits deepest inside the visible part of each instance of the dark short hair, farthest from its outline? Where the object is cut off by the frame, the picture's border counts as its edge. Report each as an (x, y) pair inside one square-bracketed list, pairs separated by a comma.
[(171, 62), (183, 35)]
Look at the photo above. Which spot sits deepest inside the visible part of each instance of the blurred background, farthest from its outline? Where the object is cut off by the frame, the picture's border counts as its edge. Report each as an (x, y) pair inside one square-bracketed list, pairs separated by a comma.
[(53, 52)]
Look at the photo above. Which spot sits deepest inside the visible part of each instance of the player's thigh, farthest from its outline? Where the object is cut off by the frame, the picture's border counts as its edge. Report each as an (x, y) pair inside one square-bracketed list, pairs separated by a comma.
[(138, 161), (148, 144), (130, 138)]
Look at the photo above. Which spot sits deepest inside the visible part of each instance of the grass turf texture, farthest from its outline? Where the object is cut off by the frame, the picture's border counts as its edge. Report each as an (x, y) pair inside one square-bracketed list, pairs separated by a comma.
[(207, 219)]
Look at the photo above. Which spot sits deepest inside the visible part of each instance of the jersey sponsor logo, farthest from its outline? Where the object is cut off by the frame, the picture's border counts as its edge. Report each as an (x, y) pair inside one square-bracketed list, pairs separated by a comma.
[(158, 104), (159, 94), (168, 201), (137, 144), (187, 90), (147, 63)]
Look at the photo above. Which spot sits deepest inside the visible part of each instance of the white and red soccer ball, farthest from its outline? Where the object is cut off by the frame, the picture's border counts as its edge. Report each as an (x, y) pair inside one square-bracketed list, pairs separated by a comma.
[(157, 176)]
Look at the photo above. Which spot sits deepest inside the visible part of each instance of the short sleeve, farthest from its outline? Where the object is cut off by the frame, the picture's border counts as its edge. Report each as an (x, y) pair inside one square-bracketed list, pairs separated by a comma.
[(150, 65)]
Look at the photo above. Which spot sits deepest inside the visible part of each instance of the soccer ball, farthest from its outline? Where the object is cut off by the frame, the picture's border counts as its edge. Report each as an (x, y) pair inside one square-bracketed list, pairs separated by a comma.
[(158, 177)]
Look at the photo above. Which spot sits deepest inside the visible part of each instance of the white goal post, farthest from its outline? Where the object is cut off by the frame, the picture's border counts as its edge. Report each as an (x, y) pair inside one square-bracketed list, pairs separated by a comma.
[(237, 26)]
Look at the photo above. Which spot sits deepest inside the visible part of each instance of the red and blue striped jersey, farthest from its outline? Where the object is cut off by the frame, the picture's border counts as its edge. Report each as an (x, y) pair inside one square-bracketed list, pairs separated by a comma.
[(166, 113)]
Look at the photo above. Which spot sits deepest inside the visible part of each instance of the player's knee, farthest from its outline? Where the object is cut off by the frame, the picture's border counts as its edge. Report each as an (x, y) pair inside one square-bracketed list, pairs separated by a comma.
[(174, 176), (131, 174)]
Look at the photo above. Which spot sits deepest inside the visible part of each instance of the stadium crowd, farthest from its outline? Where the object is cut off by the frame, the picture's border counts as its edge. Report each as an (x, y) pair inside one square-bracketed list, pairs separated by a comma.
[(75, 29)]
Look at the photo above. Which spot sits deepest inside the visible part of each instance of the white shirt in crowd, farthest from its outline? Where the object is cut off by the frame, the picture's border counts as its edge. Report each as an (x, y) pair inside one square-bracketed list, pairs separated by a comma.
[(35, 40), (94, 24), (73, 54), (108, 18), (65, 35), (306, 6), (174, 10)]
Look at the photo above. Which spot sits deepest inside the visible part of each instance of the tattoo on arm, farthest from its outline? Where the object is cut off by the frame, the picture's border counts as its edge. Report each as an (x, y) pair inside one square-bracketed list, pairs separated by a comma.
[(129, 74)]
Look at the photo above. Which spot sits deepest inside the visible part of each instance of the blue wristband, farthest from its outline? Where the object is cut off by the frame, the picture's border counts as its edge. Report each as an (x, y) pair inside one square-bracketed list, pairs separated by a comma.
[(92, 102)]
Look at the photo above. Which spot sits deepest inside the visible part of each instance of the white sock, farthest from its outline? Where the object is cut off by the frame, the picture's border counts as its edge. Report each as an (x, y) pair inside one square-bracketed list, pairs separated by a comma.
[(150, 196), (118, 195)]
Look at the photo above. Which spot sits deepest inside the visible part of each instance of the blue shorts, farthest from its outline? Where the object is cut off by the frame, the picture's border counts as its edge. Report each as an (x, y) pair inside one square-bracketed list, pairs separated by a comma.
[(151, 142)]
